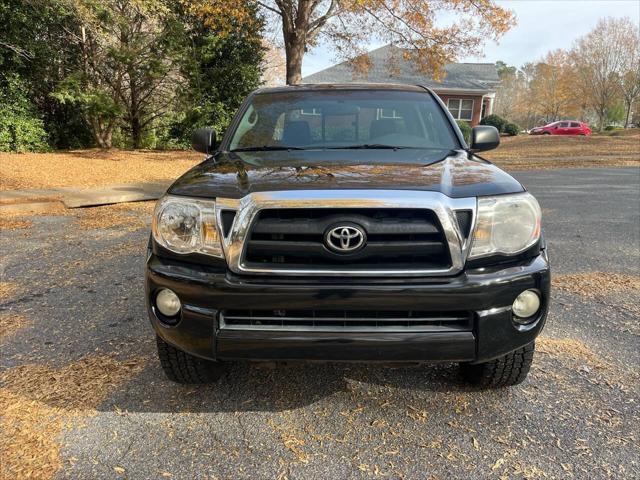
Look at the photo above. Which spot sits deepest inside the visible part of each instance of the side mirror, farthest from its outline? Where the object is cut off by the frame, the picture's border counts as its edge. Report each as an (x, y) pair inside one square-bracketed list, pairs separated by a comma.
[(484, 137), (204, 140)]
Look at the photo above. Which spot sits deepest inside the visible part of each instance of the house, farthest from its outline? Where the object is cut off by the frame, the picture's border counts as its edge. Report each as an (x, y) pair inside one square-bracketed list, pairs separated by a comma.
[(468, 89)]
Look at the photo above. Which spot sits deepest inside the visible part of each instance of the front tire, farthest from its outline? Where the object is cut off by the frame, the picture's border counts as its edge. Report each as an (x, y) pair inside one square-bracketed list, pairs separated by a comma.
[(181, 367), (505, 371)]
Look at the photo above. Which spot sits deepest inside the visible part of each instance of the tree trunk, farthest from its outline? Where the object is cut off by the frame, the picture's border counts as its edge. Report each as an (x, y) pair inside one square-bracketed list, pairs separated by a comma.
[(626, 118), (101, 134), (294, 49), (136, 132)]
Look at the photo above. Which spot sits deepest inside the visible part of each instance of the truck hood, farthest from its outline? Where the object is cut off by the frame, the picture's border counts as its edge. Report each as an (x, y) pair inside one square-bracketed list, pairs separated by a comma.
[(451, 172)]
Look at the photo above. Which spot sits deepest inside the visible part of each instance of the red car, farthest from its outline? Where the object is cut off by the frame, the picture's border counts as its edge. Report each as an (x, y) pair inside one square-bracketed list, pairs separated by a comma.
[(564, 127)]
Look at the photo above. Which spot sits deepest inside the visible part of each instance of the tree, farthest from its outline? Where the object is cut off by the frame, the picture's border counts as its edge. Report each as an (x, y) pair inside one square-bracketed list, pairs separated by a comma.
[(38, 48), (349, 24), (599, 60), (21, 129), (222, 64), (130, 62), (505, 70), (630, 69), (551, 88)]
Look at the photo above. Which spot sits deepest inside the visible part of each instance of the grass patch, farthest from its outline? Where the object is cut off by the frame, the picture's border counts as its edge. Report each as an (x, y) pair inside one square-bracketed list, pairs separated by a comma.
[(547, 151)]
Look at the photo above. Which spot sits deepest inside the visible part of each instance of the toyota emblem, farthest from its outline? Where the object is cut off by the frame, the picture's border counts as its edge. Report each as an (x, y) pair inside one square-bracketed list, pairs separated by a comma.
[(345, 238)]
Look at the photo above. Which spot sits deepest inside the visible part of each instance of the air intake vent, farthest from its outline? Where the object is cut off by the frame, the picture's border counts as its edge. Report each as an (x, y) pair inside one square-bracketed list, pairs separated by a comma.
[(227, 217), (347, 320)]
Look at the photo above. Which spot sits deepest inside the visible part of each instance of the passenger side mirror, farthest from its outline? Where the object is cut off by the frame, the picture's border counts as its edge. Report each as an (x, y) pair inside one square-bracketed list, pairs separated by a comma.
[(484, 137), (204, 140)]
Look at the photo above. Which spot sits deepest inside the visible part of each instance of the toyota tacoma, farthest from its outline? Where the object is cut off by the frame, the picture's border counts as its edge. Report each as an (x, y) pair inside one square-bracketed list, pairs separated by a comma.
[(347, 223)]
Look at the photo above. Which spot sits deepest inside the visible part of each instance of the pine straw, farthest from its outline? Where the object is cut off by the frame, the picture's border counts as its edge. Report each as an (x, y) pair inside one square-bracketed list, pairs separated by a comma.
[(571, 349), (596, 284), (38, 402), (91, 168), (10, 324), (7, 289), (124, 216), (7, 223)]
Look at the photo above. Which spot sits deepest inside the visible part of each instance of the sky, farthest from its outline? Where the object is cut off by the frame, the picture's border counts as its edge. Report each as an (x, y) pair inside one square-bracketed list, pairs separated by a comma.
[(543, 25)]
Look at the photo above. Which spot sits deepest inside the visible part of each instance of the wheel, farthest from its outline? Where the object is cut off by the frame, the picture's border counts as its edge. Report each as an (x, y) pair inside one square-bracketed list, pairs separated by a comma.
[(184, 368), (505, 371), (546, 133)]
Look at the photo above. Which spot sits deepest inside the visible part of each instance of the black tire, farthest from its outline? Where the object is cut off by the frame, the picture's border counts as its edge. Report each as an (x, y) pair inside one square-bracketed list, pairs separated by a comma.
[(505, 371), (181, 367), (546, 133)]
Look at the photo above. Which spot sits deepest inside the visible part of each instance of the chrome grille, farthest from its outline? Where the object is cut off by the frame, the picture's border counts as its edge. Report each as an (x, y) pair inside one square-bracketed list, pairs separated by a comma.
[(396, 238), (444, 251)]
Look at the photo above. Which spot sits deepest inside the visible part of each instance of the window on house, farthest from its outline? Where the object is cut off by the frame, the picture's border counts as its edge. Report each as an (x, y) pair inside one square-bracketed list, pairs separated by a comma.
[(461, 109)]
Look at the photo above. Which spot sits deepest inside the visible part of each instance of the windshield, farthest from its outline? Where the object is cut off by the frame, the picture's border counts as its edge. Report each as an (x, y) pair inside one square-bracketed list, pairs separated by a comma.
[(343, 119)]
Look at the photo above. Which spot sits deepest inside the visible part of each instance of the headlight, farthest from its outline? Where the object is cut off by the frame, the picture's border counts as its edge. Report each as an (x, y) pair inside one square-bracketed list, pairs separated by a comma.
[(506, 225), (186, 225)]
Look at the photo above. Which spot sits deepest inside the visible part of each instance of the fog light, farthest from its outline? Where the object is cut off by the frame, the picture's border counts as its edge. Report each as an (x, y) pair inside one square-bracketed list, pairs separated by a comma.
[(525, 306), (168, 303)]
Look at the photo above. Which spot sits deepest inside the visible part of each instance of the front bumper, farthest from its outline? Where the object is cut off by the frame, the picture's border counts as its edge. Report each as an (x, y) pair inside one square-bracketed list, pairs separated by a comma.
[(487, 292)]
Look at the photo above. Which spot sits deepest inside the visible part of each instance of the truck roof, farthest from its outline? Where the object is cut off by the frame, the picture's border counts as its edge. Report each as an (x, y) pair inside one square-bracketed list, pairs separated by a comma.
[(341, 86)]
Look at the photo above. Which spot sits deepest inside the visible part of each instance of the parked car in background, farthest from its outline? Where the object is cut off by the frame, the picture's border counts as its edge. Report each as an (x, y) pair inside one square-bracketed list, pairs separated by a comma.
[(564, 127)]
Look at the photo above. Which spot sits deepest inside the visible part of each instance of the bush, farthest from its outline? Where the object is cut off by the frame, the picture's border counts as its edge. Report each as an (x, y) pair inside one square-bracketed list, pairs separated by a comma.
[(465, 128), (21, 128), (511, 129), (494, 121)]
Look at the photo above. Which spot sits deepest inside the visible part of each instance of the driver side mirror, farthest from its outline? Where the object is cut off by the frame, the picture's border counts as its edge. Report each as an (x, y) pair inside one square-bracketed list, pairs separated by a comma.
[(484, 137), (204, 140)]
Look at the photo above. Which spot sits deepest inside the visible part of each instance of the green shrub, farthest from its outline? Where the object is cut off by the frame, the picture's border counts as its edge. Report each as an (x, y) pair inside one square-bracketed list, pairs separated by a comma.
[(494, 121), (21, 128), (610, 128), (511, 129), (465, 128)]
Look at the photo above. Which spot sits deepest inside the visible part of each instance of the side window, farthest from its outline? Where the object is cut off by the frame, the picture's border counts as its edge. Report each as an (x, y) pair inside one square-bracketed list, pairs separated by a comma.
[(563, 125), (575, 125)]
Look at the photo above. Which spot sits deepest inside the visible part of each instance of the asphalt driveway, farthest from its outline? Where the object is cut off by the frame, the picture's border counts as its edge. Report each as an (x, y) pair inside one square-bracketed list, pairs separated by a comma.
[(77, 289)]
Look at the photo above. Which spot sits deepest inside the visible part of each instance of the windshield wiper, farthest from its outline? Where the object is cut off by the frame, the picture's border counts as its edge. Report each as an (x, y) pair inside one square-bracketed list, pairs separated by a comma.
[(368, 146), (265, 148)]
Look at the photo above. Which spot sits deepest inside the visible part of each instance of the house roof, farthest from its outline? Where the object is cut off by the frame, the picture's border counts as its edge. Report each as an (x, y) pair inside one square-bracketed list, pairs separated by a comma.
[(388, 65)]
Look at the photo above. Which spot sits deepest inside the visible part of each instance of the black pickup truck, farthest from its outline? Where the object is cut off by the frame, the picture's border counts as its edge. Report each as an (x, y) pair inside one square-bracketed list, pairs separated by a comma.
[(347, 223)]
